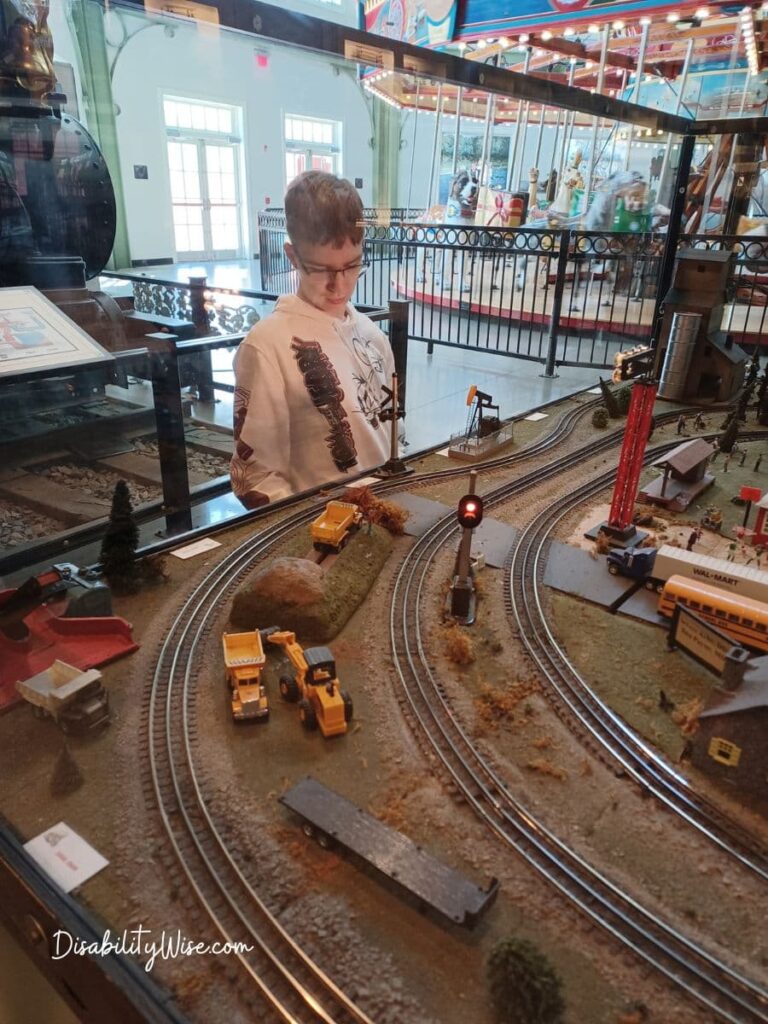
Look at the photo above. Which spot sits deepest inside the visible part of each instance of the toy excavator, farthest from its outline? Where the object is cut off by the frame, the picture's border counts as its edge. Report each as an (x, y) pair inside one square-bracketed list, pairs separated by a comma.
[(322, 702)]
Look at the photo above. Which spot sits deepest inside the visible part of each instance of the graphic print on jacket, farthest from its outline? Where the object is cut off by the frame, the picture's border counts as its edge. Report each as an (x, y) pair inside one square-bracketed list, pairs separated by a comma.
[(369, 393), (324, 388)]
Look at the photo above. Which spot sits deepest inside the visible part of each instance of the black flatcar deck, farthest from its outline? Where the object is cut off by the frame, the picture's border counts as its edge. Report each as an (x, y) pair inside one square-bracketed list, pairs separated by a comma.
[(390, 852)]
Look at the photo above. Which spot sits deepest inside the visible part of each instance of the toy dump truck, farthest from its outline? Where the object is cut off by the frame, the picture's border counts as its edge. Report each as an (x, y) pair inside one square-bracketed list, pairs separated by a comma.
[(655, 567), (244, 660), (74, 698), (334, 526), (321, 700)]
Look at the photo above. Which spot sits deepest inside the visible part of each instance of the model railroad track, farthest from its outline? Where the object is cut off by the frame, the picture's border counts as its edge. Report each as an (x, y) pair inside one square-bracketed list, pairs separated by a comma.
[(283, 978), (716, 986), (290, 983), (581, 710)]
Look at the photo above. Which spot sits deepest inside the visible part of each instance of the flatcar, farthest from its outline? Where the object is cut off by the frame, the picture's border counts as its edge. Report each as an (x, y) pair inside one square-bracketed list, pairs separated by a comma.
[(333, 820), (742, 618)]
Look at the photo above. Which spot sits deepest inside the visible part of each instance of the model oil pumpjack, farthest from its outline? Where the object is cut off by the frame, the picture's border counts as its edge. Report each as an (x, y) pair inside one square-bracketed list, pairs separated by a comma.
[(322, 702)]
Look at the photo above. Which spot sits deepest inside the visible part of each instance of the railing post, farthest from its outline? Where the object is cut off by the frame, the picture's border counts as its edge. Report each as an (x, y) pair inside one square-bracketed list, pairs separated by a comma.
[(557, 303), (398, 338), (169, 418), (202, 361), (673, 234)]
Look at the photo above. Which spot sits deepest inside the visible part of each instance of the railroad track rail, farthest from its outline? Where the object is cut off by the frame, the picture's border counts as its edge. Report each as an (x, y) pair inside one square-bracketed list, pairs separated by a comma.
[(274, 970), (288, 981), (716, 986), (583, 712)]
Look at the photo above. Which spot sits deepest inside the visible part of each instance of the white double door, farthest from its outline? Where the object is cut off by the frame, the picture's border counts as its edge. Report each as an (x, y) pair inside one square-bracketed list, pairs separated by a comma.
[(205, 196)]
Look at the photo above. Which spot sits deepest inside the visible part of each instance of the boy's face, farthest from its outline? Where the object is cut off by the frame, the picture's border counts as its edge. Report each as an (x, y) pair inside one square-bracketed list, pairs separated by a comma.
[(318, 266)]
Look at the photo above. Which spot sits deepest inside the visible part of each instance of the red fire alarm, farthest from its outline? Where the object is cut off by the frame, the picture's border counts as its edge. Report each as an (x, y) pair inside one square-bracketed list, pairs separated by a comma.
[(262, 58)]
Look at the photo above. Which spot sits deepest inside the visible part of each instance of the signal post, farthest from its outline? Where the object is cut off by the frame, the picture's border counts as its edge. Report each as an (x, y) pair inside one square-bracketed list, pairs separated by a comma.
[(462, 598)]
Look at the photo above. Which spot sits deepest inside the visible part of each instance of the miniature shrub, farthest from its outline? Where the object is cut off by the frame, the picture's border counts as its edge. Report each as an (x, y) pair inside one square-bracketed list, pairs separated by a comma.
[(459, 647), (524, 987), (378, 510), (600, 417)]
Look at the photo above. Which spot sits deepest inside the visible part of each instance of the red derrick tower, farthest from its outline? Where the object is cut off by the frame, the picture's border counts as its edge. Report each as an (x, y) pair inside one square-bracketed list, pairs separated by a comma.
[(636, 432)]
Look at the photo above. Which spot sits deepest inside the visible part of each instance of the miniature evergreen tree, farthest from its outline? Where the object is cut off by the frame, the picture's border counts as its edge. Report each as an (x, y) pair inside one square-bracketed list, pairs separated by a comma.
[(728, 437), (762, 387), (744, 400), (610, 400), (753, 368), (67, 776), (762, 409), (524, 987), (118, 549)]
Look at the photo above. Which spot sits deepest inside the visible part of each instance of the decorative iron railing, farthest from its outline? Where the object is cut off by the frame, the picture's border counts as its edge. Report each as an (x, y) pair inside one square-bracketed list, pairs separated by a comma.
[(558, 297)]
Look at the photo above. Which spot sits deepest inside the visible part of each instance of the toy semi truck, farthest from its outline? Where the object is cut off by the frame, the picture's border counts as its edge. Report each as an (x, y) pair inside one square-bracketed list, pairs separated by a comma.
[(655, 566), (75, 699), (244, 660), (332, 528)]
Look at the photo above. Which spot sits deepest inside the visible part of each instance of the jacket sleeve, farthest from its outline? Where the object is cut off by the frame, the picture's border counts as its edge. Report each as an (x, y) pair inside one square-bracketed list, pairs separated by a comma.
[(261, 459)]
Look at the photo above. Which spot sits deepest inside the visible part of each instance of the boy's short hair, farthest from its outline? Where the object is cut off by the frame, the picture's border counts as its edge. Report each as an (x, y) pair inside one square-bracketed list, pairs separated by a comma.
[(321, 209)]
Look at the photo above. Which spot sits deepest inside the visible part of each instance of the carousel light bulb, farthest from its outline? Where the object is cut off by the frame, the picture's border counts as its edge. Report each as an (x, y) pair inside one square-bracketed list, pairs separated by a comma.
[(673, 16), (546, 35), (702, 13), (618, 25), (524, 37)]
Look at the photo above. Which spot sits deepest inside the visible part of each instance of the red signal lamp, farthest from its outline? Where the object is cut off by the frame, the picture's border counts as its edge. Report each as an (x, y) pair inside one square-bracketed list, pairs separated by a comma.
[(470, 511)]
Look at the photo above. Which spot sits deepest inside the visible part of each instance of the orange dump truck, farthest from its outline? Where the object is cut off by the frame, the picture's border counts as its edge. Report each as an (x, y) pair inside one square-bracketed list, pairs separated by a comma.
[(331, 530), (244, 660)]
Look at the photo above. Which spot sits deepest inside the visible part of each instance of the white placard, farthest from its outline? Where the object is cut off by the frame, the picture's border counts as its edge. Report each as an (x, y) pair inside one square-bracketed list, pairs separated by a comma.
[(65, 856), (35, 335), (199, 547), (537, 416), (595, 391)]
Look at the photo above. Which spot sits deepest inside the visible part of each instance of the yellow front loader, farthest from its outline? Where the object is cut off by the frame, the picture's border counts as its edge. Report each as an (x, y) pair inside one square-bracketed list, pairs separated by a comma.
[(314, 685)]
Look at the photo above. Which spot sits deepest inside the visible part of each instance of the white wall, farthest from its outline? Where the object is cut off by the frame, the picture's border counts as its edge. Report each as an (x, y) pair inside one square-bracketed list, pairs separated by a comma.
[(205, 63)]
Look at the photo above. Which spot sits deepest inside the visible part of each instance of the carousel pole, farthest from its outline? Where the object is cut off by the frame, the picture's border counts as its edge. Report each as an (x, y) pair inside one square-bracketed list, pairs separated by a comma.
[(413, 143), (435, 141), (715, 155), (616, 123), (485, 152), (636, 89), (558, 144), (596, 123), (515, 138), (683, 81), (457, 133)]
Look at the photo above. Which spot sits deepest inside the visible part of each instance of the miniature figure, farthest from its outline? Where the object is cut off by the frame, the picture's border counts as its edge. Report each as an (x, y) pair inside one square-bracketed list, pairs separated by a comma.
[(699, 422), (758, 461), (681, 424)]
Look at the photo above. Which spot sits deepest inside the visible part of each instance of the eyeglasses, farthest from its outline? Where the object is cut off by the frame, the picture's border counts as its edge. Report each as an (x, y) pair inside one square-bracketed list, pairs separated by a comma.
[(348, 273)]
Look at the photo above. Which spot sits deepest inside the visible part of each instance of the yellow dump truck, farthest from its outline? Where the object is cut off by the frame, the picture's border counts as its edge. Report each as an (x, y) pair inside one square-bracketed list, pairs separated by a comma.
[(333, 527), (244, 660), (314, 685)]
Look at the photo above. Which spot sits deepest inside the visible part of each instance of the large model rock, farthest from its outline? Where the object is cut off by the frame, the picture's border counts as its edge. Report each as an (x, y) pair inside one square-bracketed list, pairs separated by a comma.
[(297, 594)]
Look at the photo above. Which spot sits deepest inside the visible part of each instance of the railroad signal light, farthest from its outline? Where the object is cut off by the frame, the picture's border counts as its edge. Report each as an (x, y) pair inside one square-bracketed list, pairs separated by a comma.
[(470, 511)]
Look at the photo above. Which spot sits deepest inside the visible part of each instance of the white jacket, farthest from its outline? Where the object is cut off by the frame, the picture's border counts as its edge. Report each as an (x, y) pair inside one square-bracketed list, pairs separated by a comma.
[(308, 391)]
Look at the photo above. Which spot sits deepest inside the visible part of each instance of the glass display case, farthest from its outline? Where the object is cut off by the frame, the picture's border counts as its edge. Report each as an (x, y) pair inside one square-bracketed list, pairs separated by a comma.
[(505, 215)]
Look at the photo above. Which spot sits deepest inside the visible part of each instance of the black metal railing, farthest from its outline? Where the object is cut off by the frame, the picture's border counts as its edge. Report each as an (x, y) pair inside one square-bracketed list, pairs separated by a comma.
[(559, 297)]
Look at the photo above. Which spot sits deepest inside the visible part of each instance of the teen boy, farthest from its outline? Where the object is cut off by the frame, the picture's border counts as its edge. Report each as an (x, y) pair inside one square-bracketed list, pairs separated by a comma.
[(309, 377)]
